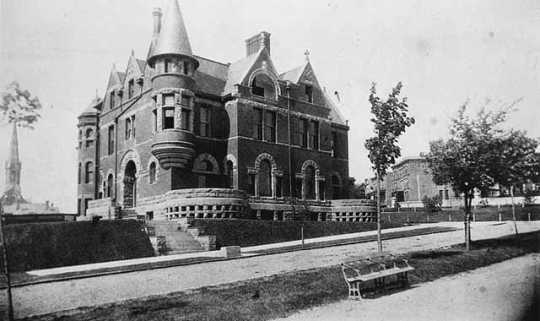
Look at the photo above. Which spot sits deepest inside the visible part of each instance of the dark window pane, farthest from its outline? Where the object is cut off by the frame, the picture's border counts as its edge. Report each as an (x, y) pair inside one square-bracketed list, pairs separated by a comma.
[(258, 125), (265, 179), (309, 93), (168, 118)]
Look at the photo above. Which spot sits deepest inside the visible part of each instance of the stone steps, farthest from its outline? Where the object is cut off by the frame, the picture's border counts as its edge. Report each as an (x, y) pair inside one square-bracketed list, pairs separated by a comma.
[(177, 240)]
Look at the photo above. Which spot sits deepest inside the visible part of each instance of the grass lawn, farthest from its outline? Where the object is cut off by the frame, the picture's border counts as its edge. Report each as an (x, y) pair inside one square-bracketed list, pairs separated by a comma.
[(281, 295)]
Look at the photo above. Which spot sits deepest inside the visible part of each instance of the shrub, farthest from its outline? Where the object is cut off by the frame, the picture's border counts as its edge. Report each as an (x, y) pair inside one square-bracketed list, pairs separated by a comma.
[(432, 204)]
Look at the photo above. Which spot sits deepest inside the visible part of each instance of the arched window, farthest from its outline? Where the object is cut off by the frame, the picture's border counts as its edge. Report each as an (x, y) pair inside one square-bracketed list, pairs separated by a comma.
[(79, 174), (152, 173), (88, 173), (309, 183), (110, 183), (336, 187), (265, 178), (263, 86)]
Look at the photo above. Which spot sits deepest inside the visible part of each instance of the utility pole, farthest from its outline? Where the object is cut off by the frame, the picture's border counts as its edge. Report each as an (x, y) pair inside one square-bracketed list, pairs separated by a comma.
[(6, 264)]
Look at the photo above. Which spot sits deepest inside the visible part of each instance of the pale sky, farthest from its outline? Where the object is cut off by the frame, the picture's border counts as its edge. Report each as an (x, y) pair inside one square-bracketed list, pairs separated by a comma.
[(443, 52)]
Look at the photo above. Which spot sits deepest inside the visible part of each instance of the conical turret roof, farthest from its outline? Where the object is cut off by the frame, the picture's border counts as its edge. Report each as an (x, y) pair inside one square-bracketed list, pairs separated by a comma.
[(173, 38)]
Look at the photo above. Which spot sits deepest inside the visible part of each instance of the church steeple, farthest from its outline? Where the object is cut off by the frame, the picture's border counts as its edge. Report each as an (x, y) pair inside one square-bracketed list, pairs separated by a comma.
[(12, 193)]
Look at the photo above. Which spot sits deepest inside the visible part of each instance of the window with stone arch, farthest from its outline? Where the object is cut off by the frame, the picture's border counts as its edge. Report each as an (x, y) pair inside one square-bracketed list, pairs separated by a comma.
[(309, 182), (263, 86), (88, 172), (265, 178), (152, 173)]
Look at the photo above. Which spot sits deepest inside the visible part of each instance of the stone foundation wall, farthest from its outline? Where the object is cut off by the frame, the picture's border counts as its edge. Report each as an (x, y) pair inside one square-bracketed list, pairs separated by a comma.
[(222, 203)]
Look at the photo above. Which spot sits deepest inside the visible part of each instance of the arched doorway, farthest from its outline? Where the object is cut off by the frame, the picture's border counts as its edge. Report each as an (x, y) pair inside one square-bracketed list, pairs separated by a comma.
[(130, 185), (309, 183)]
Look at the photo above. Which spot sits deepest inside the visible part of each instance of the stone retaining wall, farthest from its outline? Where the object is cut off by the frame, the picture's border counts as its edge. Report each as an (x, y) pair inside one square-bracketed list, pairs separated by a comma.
[(222, 203)]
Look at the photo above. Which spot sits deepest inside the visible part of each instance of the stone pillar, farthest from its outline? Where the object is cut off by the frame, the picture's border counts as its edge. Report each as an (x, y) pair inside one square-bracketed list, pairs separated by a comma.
[(274, 180), (256, 187), (258, 214), (159, 113)]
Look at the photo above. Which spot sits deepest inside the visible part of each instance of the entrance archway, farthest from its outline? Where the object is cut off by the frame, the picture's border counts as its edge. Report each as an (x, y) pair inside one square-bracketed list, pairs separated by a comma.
[(130, 185)]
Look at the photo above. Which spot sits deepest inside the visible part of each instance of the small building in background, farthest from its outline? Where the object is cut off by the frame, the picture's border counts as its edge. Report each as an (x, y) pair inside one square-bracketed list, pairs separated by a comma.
[(410, 180)]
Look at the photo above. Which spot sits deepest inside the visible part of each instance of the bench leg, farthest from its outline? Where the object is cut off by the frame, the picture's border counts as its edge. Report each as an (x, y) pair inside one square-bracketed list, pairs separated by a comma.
[(354, 291)]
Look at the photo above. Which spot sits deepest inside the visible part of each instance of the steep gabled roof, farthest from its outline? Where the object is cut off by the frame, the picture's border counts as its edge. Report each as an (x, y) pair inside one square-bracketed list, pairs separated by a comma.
[(335, 114), (237, 71), (293, 75), (211, 75), (301, 73), (142, 65), (115, 78), (240, 70)]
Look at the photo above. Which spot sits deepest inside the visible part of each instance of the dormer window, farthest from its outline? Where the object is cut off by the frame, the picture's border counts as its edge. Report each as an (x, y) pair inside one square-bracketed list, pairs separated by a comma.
[(309, 93), (263, 86), (256, 90)]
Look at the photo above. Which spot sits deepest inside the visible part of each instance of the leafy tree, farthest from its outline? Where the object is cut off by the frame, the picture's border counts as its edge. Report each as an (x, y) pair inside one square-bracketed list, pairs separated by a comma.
[(479, 154), (19, 107), (390, 120)]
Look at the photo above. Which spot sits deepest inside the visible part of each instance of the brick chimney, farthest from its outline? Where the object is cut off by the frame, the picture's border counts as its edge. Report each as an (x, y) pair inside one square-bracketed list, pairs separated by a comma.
[(258, 41)]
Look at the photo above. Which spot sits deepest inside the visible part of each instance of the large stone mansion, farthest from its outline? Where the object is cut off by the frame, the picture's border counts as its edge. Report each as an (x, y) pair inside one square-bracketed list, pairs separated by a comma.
[(179, 135)]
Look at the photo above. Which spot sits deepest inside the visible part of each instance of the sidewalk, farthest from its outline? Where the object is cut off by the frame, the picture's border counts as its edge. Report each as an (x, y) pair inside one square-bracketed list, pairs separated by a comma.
[(132, 265)]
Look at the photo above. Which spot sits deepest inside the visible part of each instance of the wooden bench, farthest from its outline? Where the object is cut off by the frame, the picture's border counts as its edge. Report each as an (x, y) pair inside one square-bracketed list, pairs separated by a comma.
[(378, 271)]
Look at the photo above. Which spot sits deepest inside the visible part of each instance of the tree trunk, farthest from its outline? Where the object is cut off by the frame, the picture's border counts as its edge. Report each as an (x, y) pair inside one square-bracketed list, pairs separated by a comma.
[(379, 241), (513, 208), (467, 221)]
